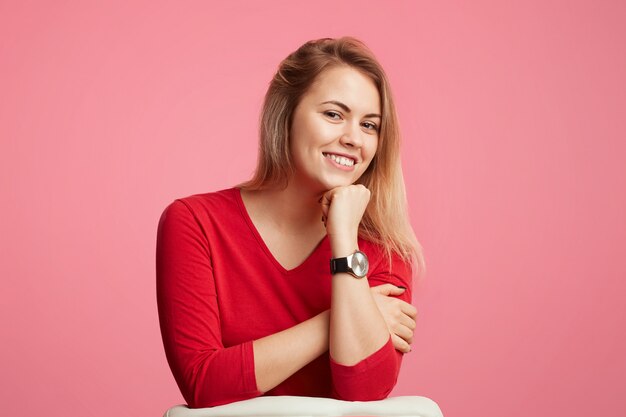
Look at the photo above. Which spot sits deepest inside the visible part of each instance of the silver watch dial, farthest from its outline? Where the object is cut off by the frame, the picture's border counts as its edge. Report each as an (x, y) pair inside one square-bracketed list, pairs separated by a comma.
[(359, 264)]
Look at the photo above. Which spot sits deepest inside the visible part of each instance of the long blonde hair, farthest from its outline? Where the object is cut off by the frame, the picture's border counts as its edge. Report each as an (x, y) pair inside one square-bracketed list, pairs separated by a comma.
[(386, 220)]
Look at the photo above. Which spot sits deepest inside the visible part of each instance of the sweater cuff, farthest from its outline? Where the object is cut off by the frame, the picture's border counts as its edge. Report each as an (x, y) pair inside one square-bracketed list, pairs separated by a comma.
[(370, 379), (249, 377)]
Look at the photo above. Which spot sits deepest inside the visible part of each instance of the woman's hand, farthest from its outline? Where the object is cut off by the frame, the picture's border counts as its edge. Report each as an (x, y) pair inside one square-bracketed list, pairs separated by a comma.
[(342, 209), (398, 314)]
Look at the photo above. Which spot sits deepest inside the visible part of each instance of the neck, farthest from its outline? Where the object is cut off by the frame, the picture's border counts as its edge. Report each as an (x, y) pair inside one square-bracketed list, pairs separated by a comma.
[(293, 209)]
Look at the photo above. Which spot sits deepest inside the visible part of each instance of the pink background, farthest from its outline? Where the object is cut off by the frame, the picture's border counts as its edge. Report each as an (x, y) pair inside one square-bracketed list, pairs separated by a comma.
[(513, 116)]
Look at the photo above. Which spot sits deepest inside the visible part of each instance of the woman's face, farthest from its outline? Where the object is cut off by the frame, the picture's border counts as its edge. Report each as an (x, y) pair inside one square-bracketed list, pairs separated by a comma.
[(334, 131)]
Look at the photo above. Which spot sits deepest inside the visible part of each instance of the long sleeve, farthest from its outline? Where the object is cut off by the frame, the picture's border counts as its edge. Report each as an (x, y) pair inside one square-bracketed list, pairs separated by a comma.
[(374, 377), (207, 372)]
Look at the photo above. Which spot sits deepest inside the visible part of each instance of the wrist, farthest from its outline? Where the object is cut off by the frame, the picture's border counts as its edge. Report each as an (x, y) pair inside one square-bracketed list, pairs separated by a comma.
[(343, 247)]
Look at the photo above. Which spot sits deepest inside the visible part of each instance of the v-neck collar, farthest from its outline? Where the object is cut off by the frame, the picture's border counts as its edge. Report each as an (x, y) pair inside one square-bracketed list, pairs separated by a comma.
[(322, 244)]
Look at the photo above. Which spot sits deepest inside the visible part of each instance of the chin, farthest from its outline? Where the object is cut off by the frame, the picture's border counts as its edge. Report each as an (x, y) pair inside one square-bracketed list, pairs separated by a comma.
[(329, 184)]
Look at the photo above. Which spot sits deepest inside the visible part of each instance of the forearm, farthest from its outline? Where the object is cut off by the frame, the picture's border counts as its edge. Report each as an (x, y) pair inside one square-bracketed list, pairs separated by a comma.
[(357, 328), (278, 356)]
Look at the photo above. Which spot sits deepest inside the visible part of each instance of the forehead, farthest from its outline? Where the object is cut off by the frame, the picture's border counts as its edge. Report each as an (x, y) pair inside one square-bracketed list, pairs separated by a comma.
[(347, 85)]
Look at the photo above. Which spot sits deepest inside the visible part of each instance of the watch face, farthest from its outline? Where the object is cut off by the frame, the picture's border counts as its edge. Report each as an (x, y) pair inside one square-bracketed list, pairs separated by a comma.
[(359, 264)]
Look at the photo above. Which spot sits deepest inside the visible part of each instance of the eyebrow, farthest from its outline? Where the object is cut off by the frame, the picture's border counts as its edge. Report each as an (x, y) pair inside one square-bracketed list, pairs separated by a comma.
[(347, 109)]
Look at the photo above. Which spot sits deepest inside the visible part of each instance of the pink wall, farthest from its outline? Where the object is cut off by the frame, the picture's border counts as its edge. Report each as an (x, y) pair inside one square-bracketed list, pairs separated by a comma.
[(514, 126)]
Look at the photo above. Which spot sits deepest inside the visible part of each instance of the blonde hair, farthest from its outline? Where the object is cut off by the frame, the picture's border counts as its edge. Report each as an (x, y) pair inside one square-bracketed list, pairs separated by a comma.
[(386, 220)]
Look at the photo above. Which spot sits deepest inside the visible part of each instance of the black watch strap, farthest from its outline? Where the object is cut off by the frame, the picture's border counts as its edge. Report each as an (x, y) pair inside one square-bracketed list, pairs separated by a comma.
[(339, 265)]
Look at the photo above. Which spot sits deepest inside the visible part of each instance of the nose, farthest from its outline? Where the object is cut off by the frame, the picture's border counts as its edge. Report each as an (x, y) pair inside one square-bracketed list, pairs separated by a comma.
[(351, 136)]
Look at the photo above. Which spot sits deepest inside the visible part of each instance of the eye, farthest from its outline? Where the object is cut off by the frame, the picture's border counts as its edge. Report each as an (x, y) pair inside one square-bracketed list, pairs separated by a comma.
[(370, 126), (332, 114)]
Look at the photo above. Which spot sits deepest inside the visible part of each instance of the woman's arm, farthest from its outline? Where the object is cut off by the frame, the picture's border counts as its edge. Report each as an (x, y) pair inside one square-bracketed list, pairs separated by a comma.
[(357, 328), (207, 372), (375, 376), (278, 356), (364, 363)]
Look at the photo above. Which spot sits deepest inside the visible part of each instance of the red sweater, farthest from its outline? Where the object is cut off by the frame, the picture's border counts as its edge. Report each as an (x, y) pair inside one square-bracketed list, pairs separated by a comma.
[(219, 288)]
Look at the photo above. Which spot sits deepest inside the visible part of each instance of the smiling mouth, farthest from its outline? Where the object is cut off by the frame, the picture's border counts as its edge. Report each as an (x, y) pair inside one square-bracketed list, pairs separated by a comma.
[(341, 160)]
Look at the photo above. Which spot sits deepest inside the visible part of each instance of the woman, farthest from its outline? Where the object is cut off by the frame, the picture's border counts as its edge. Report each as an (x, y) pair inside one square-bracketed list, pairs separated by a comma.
[(298, 281)]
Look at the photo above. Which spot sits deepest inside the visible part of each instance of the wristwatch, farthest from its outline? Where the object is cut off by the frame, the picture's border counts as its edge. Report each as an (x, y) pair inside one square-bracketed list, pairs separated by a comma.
[(355, 264)]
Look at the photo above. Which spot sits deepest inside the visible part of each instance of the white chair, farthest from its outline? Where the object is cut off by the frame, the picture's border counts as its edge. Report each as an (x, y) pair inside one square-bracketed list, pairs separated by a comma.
[(289, 406)]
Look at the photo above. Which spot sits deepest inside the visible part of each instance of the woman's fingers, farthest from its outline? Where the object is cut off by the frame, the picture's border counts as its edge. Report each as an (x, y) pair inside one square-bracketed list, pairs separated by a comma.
[(408, 309), (400, 344), (404, 332), (325, 202), (404, 311), (407, 321), (398, 314), (387, 289), (343, 208)]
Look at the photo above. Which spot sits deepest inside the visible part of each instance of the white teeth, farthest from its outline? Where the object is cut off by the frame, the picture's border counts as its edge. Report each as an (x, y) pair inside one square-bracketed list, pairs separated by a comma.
[(340, 160), (346, 161)]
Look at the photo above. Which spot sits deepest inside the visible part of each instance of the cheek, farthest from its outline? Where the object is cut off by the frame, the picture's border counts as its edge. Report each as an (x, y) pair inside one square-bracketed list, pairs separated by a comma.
[(302, 135), (300, 149), (372, 149), (317, 132)]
